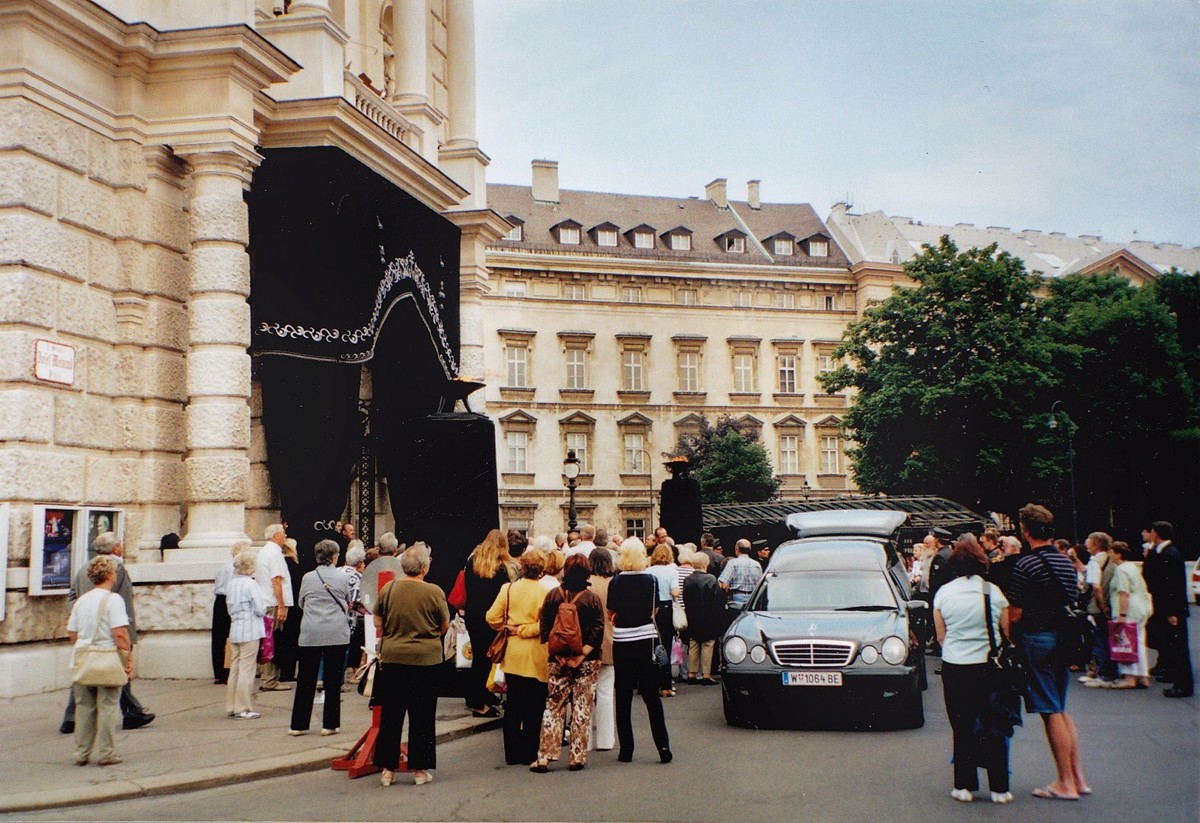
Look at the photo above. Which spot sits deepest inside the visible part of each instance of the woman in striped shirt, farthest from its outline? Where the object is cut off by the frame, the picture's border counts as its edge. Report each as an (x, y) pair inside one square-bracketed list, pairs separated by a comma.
[(632, 599)]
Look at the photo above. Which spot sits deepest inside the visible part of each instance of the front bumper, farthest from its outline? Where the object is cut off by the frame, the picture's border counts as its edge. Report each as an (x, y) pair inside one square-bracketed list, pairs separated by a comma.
[(759, 693)]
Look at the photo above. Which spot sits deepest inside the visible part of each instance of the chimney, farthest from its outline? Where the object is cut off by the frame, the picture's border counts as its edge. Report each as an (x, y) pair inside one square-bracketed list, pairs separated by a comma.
[(715, 191), (753, 193), (545, 181)]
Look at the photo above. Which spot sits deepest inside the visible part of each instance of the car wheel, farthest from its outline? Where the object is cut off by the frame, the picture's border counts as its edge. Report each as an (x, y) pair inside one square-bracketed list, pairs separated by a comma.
[(732, 716), (910, 712)]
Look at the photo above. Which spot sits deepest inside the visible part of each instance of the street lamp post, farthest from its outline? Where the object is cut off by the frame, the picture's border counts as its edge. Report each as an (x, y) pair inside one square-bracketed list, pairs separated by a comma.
[(1052, 423), (571, 472)]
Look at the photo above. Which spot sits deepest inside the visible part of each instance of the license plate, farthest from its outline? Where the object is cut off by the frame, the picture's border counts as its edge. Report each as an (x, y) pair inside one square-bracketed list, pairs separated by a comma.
[(812, 678)]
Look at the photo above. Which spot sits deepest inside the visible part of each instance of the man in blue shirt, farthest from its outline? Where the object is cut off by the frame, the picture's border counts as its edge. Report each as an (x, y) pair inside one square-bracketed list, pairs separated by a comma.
[(1042, 583), (740, 576)]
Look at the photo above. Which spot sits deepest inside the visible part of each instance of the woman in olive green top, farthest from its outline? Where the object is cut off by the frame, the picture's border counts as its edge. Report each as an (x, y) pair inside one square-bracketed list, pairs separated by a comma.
[(410, 618)]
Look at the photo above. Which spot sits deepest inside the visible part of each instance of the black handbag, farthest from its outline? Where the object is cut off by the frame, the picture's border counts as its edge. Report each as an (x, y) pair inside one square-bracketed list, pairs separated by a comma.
[(1006, 669)]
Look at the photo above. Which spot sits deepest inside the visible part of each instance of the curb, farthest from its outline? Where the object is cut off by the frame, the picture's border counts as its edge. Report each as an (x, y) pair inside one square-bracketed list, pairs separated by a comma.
[(205, 778)]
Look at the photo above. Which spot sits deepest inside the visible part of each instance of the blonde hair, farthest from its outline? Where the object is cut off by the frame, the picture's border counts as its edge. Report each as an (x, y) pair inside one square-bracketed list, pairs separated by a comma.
[(633, 556), (490, 555), (289, 549), (555, 561)]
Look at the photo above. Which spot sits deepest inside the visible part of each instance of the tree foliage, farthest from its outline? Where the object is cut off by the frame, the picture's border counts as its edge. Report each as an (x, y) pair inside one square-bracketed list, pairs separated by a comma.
[(730, 465)]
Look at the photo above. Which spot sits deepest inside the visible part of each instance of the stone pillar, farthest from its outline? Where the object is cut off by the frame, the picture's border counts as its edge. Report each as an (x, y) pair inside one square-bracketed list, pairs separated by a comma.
[(410, 38), (460, 73), (217, 416), (310, 7)]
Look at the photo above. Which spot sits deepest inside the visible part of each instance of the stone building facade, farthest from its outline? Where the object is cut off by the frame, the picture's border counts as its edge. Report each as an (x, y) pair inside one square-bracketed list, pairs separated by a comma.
[(616, 321), (130, 133)]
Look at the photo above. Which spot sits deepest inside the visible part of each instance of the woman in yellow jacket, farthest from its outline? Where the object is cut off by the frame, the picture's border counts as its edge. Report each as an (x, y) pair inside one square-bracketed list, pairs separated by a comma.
[(517, 609)]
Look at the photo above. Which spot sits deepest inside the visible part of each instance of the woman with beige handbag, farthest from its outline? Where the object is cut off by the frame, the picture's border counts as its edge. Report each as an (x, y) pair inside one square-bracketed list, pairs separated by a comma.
[(101, 664)]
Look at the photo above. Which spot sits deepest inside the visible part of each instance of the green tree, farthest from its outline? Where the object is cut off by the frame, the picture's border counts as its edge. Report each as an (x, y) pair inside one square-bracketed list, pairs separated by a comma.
[(953, 378), (730, 466)]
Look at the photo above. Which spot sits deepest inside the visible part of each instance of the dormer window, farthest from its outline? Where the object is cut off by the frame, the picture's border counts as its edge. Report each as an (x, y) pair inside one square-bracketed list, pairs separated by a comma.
[(735, 244), (784, 246), (568, 235), (517, 233), (606, 237), (681, 242), (643, 240), (818, 247)]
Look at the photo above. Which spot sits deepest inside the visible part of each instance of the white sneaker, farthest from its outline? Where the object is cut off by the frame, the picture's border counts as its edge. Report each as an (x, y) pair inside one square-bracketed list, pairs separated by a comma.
[(248, 715), (962, 795), (1002, 797), (1087, 678), (328, 732), (296, 732)]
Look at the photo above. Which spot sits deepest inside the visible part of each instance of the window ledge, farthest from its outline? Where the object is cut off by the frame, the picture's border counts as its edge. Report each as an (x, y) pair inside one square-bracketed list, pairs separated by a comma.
[(576, 394), (744, 395), (633, 394), (697, 395), (787, 395), (517, 475)]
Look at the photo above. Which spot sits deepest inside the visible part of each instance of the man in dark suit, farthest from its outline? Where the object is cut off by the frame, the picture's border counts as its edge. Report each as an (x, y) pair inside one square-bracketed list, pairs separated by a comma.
[(939, 572), (1166, 578)]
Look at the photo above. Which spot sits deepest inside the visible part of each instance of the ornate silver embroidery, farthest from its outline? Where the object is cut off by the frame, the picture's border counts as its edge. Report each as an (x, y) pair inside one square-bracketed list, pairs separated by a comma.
[(400, 269)]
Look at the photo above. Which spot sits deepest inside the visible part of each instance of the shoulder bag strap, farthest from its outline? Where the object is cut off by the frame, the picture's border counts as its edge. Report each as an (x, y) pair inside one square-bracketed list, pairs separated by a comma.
[(99, 617), (345, 607), (987, 611), (1066, 597)]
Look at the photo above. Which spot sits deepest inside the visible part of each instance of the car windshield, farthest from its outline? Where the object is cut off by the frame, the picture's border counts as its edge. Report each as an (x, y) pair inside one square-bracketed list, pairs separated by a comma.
[(824, 591)]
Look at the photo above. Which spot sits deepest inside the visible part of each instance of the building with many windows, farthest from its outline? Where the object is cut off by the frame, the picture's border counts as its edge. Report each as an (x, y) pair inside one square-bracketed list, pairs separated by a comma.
[(615, 322)]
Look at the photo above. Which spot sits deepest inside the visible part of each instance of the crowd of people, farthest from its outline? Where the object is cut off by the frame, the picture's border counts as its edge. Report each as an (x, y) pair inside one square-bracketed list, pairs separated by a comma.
[(987, 591), (569, 627)]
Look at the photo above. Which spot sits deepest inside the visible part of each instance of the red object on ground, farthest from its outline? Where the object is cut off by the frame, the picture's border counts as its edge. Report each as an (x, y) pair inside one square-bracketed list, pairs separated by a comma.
[(360, 760)]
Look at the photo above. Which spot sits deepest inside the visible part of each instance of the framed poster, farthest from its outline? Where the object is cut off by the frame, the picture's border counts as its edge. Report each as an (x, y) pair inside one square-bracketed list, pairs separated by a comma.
[(51, 557), (99, 521)]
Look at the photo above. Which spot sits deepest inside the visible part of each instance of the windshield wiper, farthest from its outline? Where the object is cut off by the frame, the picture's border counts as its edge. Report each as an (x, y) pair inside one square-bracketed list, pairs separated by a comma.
[(867, 609)]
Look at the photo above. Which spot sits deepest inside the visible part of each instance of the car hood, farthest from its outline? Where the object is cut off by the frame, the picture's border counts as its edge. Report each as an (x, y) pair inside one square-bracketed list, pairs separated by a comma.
[(859, 627)]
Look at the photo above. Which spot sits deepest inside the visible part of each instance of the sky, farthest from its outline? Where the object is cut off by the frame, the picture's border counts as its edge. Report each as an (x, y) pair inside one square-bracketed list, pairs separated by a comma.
[(1060, 116)]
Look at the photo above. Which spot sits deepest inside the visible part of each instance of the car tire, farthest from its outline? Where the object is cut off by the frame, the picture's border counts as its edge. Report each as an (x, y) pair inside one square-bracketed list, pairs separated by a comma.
[(732, 716), (910, 713)]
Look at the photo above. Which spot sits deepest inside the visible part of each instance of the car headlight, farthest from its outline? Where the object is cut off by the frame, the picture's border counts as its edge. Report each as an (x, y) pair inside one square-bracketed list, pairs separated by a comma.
[(895, 650), (868, 654), (758, 654), (735, 650)]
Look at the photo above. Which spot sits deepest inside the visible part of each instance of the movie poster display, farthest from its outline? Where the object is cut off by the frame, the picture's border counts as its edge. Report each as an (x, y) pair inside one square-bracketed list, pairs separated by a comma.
[(62, 544)]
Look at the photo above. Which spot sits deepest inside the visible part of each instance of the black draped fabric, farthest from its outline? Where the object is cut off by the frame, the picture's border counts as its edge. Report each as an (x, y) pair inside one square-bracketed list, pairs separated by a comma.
[(346, 269)]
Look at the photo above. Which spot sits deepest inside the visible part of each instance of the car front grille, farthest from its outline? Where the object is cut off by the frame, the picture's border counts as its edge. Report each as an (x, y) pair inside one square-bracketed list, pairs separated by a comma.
[(813, 653)]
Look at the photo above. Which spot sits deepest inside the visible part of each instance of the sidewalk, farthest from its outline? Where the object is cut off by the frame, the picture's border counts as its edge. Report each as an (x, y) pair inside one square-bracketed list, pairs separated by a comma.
[(190, 745)]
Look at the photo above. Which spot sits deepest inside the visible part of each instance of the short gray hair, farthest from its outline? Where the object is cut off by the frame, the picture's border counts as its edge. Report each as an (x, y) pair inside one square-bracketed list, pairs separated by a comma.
[(601, 538), (355, 544), (326, 551), (355, 554), (388, 543), (587, 531), (244, 562), (542, 543), (415, 559), (698, 561), (271, 530), (106, 543), (239, 547)]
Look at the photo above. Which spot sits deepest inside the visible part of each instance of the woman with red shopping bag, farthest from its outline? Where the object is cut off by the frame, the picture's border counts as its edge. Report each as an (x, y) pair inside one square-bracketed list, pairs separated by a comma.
[(1130, 608)]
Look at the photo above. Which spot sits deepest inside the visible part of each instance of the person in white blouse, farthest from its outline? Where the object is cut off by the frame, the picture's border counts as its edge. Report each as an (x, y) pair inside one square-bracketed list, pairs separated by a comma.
[(247, 607)]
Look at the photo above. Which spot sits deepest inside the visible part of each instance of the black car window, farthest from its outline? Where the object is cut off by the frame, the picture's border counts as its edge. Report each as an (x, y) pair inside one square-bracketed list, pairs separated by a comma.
[(824, 591)]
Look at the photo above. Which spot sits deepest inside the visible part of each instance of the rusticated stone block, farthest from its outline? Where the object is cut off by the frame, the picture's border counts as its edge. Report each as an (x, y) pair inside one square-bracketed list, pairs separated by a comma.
[(155, 270), (220, 218), (33, 618), (174, 607), (27, 414), (220, 268), (16, 356), (27, 297), (219, 425), (90, 205), (24, 124), (258, 441), (165, 375), (261, 495), (112, 480), (84, 420), (41, 474), (116, 163), (164, 428), (105, 268), (28, 182), (218, 372), (217, 478), (101, 363), (167, 325), (219, 319), (20, 515), (86, 312), (36, 241), (168, 225), (162, 480)]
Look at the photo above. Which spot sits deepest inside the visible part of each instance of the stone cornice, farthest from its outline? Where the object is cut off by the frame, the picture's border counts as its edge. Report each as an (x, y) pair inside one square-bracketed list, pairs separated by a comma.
[(334, 121), (485, 224), (499, 257)]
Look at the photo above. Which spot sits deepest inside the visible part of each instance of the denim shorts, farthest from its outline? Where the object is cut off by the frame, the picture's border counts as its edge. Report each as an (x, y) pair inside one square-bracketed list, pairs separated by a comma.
[(1046, 692)]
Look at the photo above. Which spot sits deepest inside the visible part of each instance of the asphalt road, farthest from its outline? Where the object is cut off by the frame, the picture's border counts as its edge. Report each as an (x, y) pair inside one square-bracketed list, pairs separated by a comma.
[(1140, 752)]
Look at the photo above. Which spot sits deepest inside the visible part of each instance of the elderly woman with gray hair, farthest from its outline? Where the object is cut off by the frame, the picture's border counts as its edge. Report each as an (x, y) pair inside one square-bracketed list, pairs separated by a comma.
[(246, 607), (324, 634), (410, 618)]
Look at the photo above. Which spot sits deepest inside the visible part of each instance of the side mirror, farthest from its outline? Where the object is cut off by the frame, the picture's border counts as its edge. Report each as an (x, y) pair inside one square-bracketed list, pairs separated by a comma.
[(917, 605)]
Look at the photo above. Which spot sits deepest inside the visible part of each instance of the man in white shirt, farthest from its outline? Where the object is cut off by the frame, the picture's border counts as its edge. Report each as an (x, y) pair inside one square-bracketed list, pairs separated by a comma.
[(587, 538), (271, 574)]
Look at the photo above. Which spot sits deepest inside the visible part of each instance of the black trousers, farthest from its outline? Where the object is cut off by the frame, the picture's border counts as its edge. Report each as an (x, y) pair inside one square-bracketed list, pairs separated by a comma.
[(477, 696), (220, 633), (963, 688), (1174, 656), (523, 710), (664, 620), (410, 691), (633, 667), (310, 659)]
